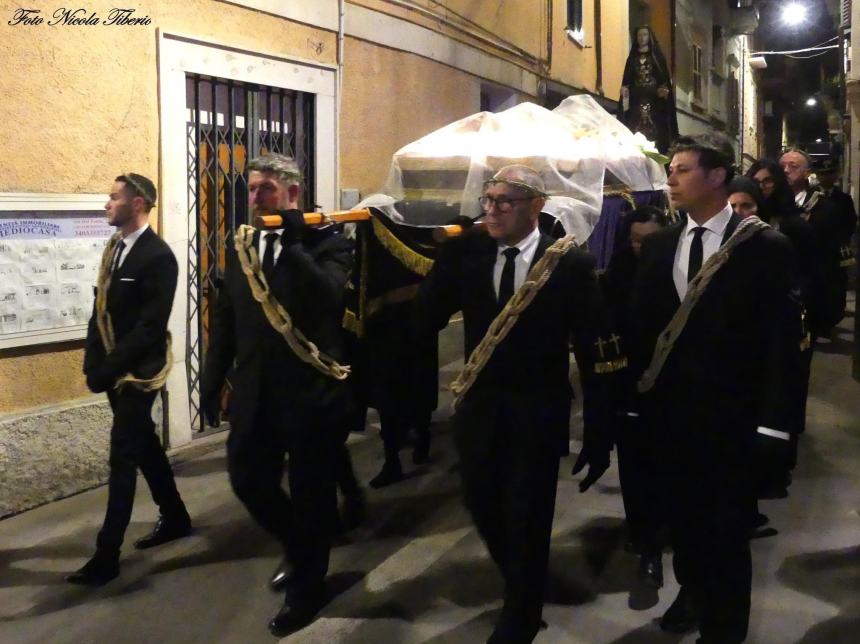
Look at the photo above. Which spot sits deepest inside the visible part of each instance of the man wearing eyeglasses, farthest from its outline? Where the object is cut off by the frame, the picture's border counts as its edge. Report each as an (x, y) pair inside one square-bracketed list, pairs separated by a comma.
[(511, 426), (142, 273)]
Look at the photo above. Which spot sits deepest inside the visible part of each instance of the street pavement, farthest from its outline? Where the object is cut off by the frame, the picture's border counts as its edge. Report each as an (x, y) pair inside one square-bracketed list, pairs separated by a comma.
[(416, 570)]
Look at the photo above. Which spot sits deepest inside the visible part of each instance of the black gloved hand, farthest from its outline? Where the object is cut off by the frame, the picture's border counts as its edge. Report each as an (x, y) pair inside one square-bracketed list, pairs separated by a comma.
[(210, 407), (293, 224), (98, 381), (598, 463)]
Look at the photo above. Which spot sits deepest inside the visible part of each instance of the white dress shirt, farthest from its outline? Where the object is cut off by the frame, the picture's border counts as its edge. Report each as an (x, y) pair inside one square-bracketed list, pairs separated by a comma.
[(522, 261), (262, 247), (129, 242), (800, 198), (715, 228)]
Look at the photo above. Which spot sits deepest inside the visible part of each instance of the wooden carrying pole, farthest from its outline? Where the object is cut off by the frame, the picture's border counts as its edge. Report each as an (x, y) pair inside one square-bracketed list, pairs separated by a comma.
[(273, 221)]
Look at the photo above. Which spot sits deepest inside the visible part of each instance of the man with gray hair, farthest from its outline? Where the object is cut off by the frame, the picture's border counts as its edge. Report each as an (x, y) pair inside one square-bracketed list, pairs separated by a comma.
[(511, 422), (282, 404)]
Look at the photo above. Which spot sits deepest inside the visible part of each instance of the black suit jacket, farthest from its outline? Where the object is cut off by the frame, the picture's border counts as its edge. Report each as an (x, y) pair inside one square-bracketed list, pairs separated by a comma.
[(829, 231), (139, 301), (308, 280), (847, 214), (734, 362), (529, 369)]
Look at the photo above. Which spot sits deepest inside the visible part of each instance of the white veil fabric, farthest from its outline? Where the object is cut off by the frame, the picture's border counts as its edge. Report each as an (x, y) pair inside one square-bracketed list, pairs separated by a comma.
[(442, 174), (622, 150)]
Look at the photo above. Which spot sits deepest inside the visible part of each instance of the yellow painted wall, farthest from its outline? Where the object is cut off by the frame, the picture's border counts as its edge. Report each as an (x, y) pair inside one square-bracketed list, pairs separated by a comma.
[(616, 45), (517, 23), (391, 98), (573, 64), (80, 104), (33, 377)]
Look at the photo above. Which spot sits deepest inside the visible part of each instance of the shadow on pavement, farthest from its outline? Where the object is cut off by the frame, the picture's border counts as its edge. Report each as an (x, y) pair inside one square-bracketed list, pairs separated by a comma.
[(833, 576)]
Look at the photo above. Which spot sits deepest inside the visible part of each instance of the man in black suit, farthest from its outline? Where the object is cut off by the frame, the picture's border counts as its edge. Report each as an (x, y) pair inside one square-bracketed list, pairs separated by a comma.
[(823, 215), (511, 426), (127, 335), (723, 379), (280, 403), (828, 174)]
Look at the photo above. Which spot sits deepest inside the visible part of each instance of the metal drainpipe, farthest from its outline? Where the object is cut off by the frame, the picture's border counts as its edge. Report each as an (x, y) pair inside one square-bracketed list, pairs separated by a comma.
[(341, 9), (742, 99), (598, 47)]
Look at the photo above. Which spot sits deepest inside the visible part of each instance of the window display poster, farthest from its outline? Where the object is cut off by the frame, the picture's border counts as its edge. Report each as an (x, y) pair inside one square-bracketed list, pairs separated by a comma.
[(49, 263)]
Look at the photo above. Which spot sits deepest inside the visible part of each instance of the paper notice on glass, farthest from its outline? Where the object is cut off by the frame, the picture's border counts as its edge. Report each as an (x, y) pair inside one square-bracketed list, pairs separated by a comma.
[(34, 259), (37, 296), (73, 314), (10, 321), (79, 259), (11, 305), (72, 293), (9, 273), (38, 272), (49, 262), (10, 297), (38, 319), (7, 253)]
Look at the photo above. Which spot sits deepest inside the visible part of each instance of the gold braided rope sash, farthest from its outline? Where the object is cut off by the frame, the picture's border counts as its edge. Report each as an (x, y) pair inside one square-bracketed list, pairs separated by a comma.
[(666, 340), (277, 316), (105, 326), (505, 320)]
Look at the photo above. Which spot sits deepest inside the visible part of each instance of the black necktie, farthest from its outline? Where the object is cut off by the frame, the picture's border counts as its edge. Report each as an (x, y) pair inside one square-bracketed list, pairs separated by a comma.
[(269, 254), (696, 253), (506, 285), (119, 248)]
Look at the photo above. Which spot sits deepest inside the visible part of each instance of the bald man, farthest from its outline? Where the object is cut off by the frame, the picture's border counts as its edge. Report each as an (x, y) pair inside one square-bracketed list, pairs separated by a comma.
[(511, 426)]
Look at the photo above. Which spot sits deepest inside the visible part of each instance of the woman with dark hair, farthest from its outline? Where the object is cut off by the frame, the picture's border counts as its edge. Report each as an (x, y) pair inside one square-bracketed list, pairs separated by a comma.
[(636, 460), (745, 198), (779, 209), (778, 195), (647, 102)]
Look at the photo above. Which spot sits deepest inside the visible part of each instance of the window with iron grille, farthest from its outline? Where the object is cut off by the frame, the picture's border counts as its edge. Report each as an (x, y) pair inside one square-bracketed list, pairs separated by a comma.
[(574, 15), (227, 124), (697, 73)]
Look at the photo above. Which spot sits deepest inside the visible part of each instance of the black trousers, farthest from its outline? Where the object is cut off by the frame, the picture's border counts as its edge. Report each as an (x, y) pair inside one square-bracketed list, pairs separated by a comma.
[(707, 475), (133, 445), (640, 488), (301, 521), (509, 487)]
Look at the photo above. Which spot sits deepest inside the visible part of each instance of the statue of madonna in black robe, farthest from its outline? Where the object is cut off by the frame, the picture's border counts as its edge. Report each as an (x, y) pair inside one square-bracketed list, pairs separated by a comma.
[(647, 102)]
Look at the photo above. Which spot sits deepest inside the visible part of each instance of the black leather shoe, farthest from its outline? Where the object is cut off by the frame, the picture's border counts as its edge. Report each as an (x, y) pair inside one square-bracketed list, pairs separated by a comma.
[(681, 617), (298, 611), (282, 577), (165, 530), (96, 572), (390, 473), (651, 570)]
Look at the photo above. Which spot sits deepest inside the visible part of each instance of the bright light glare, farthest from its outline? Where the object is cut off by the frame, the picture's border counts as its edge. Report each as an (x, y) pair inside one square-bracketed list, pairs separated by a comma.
[(794, 14), (818, 140), (811, 102)]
